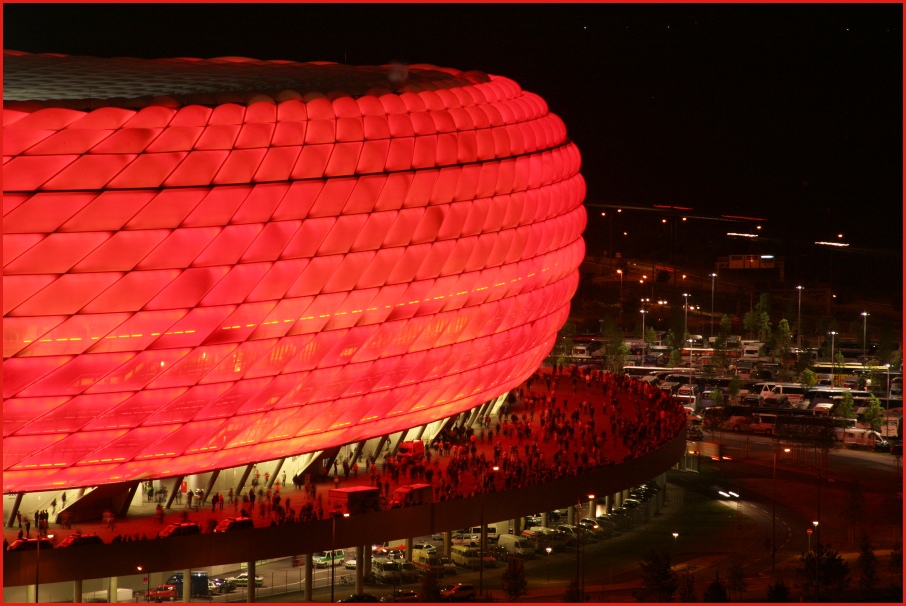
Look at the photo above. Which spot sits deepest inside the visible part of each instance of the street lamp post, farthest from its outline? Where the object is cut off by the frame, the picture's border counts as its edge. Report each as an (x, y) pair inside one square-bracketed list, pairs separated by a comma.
[(644, 344), (620, 271), (686, 330), (333, 541), (147, 582), (548, 550), (833, 333), (774, 511), (809, 533), (817, 549), (865, 315), (481, 538), (37, 567), (713, 275), (799, 321)]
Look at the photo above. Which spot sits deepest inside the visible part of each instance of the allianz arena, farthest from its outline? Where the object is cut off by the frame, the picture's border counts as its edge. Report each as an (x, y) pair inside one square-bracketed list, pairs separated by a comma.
[(210, 263)]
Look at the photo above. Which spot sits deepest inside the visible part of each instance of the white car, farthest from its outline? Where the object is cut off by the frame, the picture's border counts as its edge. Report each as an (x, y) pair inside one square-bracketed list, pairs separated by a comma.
[(242, 580), (350, 563)]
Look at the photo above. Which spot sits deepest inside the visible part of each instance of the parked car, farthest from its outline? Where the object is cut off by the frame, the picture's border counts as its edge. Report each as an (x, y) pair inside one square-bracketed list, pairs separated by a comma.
[(350, 563), (401, 595), (242, 580), (359, 597), (460, 592), (228, 524), (180, 529), (78, 539), (408, 572), (449, 566), (161, 593), (29, 545), (426, 547), (219, 585), (694, 433)]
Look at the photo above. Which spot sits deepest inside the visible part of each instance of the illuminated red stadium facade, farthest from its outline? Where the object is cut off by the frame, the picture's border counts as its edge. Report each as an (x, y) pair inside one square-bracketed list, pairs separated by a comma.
[(195, 280)]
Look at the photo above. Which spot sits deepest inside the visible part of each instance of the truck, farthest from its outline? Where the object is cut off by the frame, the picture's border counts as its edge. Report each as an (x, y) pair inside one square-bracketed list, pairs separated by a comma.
[(861, 438), (354, 500), (199, 584), (415, 494), (712, 450), (412, 452)]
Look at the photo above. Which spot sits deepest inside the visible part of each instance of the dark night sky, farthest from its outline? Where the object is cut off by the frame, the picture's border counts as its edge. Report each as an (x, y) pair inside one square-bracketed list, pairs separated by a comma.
[(788, 112)]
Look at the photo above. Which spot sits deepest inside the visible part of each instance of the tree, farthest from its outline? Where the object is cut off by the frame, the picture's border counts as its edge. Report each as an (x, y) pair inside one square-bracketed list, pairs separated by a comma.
[(808, 378), (734, 387), (846, 407), (868, 568), (758, 321), (823, 570), (736, 580), (430, 591), (563, 347), (686, 587), (782, 340), (615, 349), (659, 582), (713, 421), (716, 592), (874, 415), (514, 582), (778, 592), (717, 396)]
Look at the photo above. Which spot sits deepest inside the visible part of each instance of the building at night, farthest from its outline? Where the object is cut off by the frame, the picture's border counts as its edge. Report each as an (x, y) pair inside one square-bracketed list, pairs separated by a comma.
[(214, 263)]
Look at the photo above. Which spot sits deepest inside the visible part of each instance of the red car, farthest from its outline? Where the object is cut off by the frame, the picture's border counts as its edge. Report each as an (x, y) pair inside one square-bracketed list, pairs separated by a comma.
[(162, 592)]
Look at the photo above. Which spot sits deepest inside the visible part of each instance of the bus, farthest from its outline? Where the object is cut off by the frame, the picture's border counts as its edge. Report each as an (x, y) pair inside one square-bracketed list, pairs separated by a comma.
[(816, 396)]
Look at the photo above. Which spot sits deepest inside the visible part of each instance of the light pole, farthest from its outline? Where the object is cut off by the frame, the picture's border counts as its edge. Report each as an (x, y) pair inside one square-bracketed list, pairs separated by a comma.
[(865, 315), (548, 550), (620, 271), (481, 538), (644, 344), (833, 333), (333, 542), (774, 511), (675, 537), (147, 583), (37, 567), (685, 329), (580, 571), (809, 533), (799, 321), (713, 275)]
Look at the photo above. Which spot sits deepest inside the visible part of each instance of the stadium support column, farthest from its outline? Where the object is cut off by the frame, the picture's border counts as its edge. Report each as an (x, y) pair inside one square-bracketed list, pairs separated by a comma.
[(187, 585), (77, 591), (244, 478), (359, 568), (16, 504), (177, 482), (309, 576), (571, 515), (112, 590), (273, 478), (448, 539), (210, 486), (251, 584), (544, 519)]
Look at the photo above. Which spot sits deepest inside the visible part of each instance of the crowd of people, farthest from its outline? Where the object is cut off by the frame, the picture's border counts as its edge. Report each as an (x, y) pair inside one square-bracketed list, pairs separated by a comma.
[(537, 436)]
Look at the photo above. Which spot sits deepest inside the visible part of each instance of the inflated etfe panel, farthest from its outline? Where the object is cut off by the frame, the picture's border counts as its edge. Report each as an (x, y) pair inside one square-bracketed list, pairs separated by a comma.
[(214, 262)]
